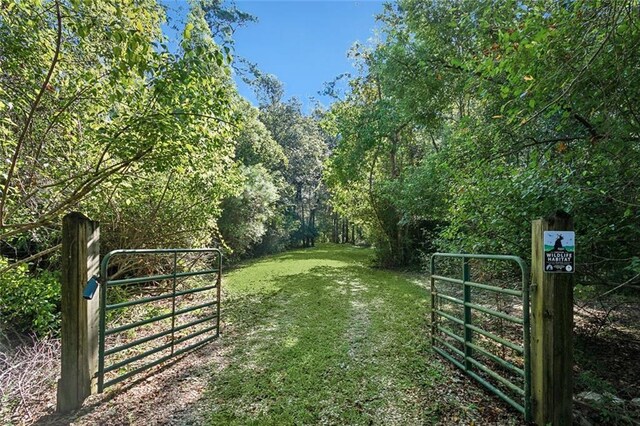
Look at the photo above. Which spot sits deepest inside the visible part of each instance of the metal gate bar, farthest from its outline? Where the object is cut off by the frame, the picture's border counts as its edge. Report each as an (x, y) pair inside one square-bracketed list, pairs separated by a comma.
[(170, 333), (465, 359)]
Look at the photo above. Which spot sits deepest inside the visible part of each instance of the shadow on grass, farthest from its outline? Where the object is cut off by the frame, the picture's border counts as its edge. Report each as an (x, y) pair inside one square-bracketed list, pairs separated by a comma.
[(155, 396), (332, 341), (332, 344)]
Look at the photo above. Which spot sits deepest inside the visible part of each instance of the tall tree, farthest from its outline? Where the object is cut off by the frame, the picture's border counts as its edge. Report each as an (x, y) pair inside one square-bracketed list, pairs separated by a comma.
[(91, 99), (304, 145), (472, 120)]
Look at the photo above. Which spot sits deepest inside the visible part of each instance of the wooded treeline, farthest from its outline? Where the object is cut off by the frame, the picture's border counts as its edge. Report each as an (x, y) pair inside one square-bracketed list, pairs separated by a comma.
[(462, 125), (469, 120), (100, 112)]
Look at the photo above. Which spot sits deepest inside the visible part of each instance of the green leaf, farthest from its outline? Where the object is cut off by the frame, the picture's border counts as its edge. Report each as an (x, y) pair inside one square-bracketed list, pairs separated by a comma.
[(187, 31)]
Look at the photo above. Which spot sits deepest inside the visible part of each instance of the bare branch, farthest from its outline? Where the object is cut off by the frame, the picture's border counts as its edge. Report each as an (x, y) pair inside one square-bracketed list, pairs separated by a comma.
[(626, 283), (30, 258)]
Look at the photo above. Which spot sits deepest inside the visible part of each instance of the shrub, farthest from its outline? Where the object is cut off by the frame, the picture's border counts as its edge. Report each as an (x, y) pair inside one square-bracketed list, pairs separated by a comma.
[(28, 302)]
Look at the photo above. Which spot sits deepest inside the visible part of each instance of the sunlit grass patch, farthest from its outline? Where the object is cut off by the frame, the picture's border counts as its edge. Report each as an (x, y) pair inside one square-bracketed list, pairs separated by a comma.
[(263, 276), (318, 336)]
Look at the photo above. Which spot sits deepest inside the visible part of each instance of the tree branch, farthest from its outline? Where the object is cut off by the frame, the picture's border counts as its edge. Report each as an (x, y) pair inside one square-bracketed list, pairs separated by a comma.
[(34, 106), (569, 86), (30, 258)]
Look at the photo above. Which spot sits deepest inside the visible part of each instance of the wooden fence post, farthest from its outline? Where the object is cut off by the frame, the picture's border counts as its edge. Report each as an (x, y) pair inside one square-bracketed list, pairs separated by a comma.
[(80, 261), (552, 330)]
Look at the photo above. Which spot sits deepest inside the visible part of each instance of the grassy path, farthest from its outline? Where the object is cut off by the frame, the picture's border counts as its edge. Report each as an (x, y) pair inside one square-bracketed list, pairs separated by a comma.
[(312, 336), (317, 336), (322, 338)]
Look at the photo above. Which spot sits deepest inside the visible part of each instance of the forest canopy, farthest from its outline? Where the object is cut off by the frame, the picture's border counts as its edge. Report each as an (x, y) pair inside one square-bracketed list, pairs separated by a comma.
[(101, 113), (462, 124), (474, 120)]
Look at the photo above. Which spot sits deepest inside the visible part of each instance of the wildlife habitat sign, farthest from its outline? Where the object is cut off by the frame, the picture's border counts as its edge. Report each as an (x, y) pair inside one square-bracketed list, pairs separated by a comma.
[(559, 251)]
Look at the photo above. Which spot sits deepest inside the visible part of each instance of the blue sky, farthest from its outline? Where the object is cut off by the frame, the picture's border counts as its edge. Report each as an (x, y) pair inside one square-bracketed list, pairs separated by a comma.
[(304, 43)]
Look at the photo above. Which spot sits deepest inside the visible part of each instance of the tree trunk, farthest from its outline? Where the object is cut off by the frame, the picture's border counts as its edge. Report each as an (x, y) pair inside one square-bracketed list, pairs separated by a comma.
[(312, 227), (303, 225), (335, 228), (346, 231)]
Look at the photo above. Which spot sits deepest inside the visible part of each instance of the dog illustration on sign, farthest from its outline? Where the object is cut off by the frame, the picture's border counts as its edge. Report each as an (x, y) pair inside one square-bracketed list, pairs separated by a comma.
[(558, 244)]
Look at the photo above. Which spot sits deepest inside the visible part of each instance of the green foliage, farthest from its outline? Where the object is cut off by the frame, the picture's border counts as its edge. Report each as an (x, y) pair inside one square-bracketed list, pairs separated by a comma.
[(112, 102), (83, 122), (30, 303), (97, 114), (136, 136), (246, 217), (255, 144), (469, 121), (304, 144)]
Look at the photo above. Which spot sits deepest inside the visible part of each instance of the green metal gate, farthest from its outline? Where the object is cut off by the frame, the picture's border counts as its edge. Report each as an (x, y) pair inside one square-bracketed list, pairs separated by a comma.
[(494, 360), (157, 314)]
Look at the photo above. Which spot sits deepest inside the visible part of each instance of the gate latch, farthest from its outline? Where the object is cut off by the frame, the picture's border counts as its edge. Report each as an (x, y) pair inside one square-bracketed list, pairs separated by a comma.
[(90, 288)]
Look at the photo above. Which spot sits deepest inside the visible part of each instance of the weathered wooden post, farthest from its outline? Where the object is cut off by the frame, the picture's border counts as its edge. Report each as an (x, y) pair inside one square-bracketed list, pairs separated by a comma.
[(80, 261), (552, 267)]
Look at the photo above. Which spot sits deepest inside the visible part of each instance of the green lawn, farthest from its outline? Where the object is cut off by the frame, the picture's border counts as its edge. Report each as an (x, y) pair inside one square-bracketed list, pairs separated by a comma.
[(317, 336)]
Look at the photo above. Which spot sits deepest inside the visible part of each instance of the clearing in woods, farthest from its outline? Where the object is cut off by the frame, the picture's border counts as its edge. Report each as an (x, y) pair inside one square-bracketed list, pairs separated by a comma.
[(312, 336), (318, 336)]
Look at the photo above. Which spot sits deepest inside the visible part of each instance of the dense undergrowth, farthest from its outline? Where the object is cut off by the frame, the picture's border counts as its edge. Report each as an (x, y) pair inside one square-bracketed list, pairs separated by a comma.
[(30, 302)]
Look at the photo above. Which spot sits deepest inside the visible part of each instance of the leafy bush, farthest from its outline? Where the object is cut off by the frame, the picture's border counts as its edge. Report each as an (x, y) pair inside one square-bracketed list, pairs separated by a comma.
[(246, 217), (30, 303)]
